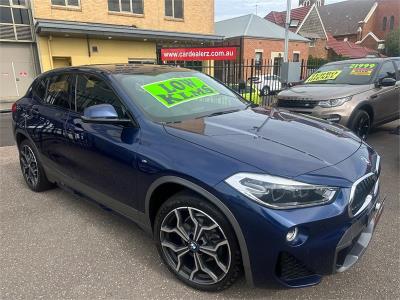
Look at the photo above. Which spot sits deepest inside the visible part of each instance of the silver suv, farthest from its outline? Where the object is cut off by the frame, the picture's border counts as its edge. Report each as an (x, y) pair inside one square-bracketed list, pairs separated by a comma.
[(358, 94)]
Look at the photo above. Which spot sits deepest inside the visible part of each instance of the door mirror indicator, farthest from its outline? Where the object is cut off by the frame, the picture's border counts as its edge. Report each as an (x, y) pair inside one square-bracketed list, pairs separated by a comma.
[(103, 114)]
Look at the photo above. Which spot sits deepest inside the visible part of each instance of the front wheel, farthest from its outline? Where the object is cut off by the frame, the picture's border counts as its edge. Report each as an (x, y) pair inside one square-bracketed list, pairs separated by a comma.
[(361, 124), (197, 243)]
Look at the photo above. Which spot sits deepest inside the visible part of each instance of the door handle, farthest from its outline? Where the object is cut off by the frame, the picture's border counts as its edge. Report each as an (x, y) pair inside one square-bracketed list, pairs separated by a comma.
[(374, 96), (35, 110)]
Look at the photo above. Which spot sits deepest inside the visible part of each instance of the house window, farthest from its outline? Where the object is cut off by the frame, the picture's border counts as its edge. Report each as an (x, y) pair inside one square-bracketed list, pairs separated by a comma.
[(66, 3), (126, 6), (174, 9), (294, 23), (258, 59), (296, 56), (391, 23), (384, 23), (15, 22), (312, 43)]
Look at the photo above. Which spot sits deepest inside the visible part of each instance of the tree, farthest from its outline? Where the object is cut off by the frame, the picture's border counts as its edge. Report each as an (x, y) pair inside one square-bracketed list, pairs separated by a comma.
[(392, 45)]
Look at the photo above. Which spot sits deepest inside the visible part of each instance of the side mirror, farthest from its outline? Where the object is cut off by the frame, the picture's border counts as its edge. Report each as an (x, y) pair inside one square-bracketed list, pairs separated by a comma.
[(388, 81), (103, 114)]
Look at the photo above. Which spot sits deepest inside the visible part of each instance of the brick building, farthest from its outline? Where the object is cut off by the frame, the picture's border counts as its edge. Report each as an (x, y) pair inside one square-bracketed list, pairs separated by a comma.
[(305, 21), (260, 39), (354, 24), (78, 32)]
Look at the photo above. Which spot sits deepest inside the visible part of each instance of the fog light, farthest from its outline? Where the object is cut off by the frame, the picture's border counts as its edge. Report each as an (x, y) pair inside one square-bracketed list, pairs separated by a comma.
[(292, 234)]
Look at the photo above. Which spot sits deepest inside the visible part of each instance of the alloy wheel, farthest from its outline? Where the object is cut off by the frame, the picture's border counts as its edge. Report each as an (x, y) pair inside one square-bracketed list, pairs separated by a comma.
[(195, 246), (29, 165)]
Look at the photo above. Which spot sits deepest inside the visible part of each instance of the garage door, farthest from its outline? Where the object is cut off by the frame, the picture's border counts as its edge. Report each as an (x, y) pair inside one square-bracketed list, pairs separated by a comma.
[(17, 69)]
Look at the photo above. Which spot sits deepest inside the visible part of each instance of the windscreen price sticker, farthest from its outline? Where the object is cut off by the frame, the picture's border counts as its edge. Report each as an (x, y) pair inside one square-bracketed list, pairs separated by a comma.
[(362, 69), (176, 91), (322, 76)]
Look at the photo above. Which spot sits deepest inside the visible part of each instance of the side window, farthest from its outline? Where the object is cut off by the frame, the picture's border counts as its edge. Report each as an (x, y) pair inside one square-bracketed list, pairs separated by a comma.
[(39, 89), (93, 91), (387, 71), (58, 92)]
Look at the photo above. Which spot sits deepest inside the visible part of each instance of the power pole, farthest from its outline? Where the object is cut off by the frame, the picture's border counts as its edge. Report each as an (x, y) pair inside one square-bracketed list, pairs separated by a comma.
[(287, 24)]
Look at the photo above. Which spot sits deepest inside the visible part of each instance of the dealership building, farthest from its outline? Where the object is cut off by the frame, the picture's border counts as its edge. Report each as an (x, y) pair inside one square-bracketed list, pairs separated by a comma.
[(60, 33)]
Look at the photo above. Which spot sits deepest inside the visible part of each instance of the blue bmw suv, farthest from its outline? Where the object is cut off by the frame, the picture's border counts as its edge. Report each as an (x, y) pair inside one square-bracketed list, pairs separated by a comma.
[(223, 187)]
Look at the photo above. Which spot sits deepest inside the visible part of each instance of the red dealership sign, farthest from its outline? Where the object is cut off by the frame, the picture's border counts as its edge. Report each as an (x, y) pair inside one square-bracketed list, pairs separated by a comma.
[(196, 54)]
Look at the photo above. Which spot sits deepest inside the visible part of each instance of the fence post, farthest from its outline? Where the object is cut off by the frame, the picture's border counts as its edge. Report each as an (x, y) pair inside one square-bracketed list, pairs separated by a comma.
[(251, 79)]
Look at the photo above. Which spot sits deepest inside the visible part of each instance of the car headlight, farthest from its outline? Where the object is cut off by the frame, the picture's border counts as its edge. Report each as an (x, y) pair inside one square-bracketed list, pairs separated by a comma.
[(280, 193), (334, 102)]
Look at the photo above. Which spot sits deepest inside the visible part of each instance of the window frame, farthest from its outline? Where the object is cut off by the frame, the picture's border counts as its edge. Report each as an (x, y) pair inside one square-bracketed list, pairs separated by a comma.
[(11, 7), (381, 67), (391, 23), (48, 78), (66, 5), (75, 85), (173, 10), (384, 23), (120, 11)]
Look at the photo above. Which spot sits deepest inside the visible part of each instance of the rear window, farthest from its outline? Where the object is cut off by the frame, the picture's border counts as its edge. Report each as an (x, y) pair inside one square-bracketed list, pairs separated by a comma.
[(39, 89)]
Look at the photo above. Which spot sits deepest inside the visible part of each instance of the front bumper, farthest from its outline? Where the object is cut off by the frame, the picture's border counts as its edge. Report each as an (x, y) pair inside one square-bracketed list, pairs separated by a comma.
[(329, 240), (339, 114)]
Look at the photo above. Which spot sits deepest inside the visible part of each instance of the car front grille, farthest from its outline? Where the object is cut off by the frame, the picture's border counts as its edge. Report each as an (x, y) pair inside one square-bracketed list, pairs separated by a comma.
[(361, 190), (290, 268), (297, 103)]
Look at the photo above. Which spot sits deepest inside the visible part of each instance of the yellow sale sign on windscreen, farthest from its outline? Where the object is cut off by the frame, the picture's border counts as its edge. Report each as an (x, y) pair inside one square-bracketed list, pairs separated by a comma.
[(322, 76)]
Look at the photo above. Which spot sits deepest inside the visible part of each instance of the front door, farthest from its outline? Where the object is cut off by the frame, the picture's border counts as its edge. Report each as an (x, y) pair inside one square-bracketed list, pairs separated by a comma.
[(386, 101), (102, 156)]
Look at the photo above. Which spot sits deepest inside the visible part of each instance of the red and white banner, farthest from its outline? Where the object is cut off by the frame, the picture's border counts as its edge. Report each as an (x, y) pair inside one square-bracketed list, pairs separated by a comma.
[(197, 54)]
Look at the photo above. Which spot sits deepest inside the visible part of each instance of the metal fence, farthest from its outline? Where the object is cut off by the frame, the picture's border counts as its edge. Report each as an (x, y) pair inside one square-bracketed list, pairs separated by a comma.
[(257, 81)]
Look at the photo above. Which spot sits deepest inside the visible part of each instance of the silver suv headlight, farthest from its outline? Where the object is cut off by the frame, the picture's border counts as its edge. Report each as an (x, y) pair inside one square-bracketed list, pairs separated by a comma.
[(334, 102), (280, 193)]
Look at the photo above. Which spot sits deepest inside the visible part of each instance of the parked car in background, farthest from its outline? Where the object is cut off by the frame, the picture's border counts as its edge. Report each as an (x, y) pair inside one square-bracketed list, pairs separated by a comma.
[(221, 186), (267, 84), (358, 94)]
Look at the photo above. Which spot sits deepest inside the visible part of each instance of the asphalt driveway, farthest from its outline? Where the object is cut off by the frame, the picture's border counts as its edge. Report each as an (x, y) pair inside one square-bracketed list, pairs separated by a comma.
[(56, 245)]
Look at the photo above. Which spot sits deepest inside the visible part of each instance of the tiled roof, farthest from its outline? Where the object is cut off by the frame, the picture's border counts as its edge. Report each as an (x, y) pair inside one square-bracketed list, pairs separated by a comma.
[(349, 49), (279, 17), (343, 18), (253, 26)]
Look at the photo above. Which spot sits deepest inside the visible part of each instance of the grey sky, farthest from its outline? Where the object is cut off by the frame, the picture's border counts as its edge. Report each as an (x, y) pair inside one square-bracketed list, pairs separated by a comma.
[(225, 9)]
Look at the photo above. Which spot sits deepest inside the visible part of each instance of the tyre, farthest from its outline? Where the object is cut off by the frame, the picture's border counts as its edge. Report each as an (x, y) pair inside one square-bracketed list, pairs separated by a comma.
[(361, 124), (265, 91), (32, 169), (197, 243)]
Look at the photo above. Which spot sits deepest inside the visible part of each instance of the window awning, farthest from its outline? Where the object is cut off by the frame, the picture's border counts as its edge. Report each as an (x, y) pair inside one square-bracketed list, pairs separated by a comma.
[(63, 28)]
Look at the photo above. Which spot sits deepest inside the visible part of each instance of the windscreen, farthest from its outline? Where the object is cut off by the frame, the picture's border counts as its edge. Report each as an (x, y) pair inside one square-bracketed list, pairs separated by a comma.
[(178, 96), (344, 73)]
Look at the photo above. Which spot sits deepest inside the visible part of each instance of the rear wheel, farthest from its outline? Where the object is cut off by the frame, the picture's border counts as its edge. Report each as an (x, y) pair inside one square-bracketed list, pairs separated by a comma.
[(31, 168), (361, 124), (197, 243)]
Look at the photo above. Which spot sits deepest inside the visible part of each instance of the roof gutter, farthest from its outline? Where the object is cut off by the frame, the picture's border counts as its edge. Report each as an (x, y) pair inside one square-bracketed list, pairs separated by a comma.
[(46, 27)]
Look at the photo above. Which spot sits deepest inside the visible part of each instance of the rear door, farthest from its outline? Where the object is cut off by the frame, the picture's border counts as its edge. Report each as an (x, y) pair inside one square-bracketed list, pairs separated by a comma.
[(102, 156), (386, 102), (47, 117)]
